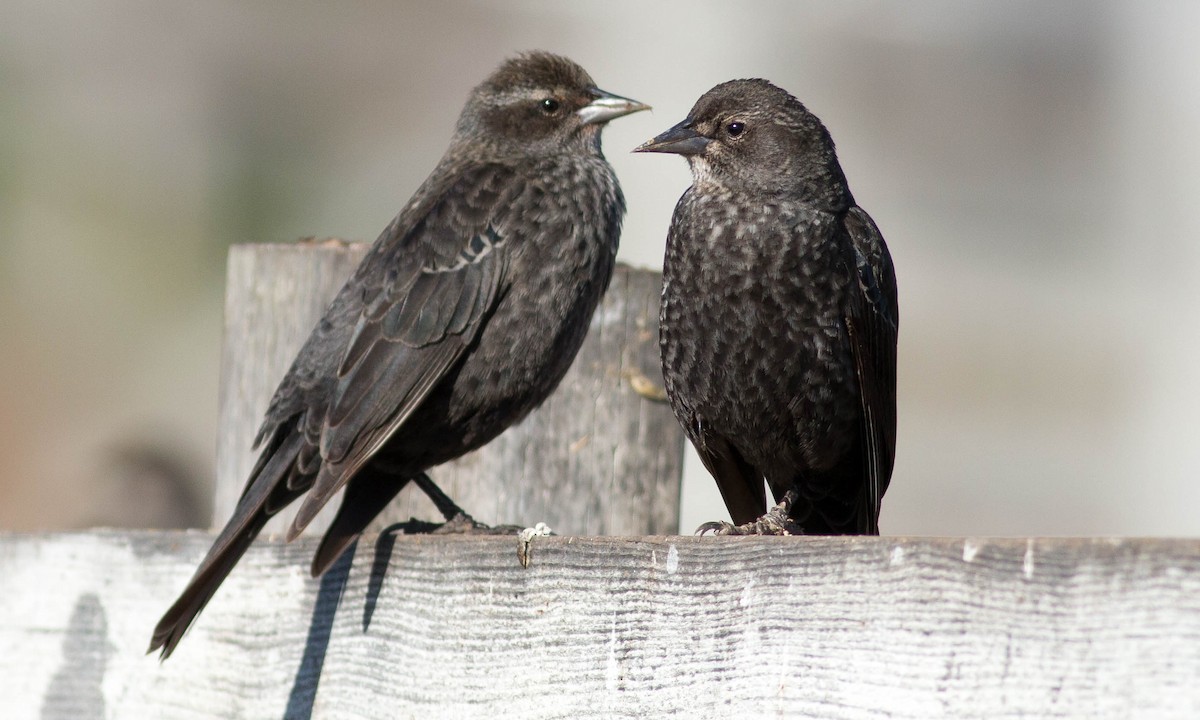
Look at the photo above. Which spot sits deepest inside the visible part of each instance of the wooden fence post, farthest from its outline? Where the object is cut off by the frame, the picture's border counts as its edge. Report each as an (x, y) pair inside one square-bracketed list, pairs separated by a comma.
[(603, 456)]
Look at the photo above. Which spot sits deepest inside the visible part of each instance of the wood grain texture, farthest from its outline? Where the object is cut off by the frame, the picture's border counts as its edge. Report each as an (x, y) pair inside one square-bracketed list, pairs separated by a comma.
[(453, 627), (274, 295), (598, 458)]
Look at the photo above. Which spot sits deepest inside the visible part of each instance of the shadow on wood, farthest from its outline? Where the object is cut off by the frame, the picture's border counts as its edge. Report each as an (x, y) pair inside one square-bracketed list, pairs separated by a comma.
[(308, 676)]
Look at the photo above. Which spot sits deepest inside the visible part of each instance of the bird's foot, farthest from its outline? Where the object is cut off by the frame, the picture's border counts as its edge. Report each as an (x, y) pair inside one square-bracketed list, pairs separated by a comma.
[(458, 521), (765, 525), (463, 524), (774, 522)]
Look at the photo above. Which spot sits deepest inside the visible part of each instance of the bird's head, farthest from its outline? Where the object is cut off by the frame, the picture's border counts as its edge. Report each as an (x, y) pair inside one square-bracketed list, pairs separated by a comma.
[(749, 135), (540, 102)]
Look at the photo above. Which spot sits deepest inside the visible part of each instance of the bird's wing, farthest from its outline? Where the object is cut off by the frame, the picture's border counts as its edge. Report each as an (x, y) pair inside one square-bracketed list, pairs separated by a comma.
[(872, 323), (427, 303), (417, 300)]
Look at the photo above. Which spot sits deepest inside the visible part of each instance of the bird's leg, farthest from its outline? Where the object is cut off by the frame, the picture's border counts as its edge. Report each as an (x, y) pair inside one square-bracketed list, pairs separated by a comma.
[(777, 521), (447, 507), (458, 522)]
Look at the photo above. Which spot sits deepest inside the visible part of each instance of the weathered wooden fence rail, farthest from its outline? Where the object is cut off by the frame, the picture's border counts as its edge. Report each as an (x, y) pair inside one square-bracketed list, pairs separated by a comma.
[(445, 627), (595, 627)]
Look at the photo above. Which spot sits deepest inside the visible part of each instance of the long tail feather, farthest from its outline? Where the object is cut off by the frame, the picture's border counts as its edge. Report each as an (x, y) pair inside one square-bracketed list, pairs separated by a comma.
[(266, 493)]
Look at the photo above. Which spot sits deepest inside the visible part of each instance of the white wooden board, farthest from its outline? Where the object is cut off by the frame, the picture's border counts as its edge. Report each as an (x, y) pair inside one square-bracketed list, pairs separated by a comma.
[(452, 627)]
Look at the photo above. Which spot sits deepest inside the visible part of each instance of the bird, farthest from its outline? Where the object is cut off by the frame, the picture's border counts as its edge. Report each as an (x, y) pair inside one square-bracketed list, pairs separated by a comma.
[(778, 318), (462, 317)]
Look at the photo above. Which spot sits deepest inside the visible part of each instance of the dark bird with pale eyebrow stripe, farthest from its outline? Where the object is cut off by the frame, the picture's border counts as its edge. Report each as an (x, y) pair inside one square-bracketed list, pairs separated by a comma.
[(463, 317), (778, 318)]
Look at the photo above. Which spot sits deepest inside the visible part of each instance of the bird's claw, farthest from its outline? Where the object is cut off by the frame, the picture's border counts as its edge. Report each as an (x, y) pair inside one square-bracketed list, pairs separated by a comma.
[(773, 523), (717, 527), (464, 524), (460, 524)]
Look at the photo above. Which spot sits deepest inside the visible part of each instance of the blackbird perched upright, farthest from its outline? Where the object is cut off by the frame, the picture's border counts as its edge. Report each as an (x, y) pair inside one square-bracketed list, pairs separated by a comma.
[(463, 317), (778, 318)]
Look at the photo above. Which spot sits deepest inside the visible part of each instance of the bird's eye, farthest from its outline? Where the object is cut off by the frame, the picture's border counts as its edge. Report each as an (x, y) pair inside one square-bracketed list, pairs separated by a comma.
[(549, 106), (735, 128)]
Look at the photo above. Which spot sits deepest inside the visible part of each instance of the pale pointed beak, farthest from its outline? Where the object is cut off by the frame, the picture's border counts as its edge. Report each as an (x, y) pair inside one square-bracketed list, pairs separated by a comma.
[(681, 140), (605, 106)]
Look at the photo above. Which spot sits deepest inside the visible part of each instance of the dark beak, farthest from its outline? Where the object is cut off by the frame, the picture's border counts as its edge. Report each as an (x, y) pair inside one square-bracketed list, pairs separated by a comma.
[(605, 106), (681, 140)]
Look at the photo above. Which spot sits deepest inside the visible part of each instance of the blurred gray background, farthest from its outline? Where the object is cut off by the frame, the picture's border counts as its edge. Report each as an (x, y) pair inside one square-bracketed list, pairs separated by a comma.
[(1034, 167)]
